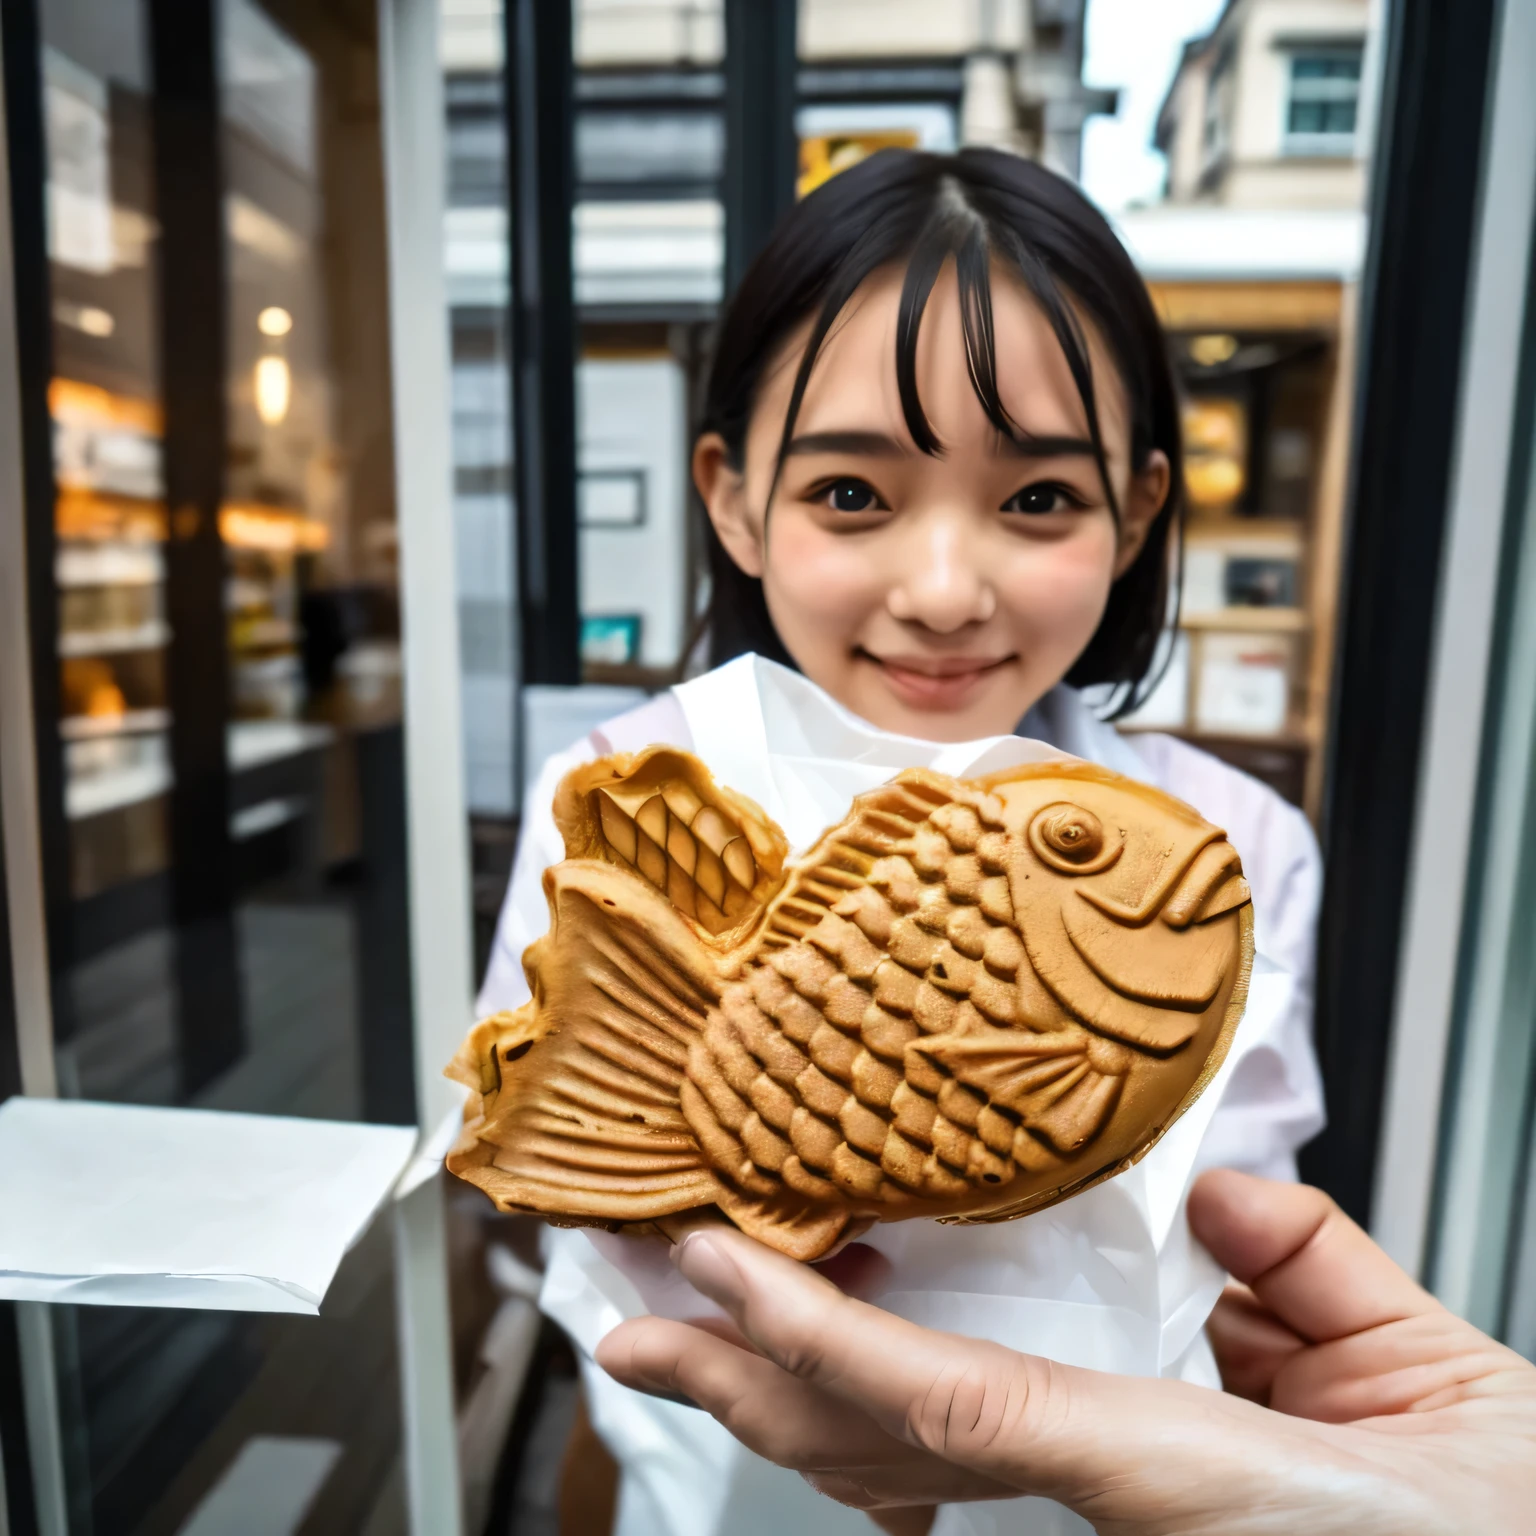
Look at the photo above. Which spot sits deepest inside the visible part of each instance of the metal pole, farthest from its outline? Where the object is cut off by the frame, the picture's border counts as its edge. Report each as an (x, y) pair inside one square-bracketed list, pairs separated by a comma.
[(1448, 962), (761, 148), (436, 822), (189, 202), (22, 907), (28, 452), (541, 179), (1411, 351)]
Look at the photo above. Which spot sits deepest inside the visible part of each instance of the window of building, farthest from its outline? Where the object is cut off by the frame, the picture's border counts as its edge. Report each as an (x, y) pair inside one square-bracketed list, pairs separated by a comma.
[(1216, 135), (1323, 101)]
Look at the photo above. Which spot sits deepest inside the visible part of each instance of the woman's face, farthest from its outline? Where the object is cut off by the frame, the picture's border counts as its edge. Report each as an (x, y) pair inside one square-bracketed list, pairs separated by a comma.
[(937, 597)]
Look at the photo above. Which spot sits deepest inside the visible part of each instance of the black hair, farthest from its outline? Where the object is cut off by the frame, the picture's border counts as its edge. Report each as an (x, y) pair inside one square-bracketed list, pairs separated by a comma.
[(976, 207)]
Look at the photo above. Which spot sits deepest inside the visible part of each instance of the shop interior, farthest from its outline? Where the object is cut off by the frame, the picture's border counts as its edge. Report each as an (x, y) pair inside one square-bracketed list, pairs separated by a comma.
[(222, 535)]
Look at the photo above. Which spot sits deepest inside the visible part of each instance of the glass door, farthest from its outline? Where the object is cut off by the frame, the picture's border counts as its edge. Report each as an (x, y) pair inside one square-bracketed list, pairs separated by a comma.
[(217, 673)]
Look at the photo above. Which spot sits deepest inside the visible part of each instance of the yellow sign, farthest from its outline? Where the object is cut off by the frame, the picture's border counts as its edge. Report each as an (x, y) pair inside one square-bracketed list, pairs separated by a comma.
[(822, 157)]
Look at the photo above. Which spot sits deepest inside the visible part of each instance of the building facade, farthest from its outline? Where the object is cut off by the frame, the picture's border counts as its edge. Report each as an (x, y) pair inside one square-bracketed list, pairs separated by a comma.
[(1264, 111)]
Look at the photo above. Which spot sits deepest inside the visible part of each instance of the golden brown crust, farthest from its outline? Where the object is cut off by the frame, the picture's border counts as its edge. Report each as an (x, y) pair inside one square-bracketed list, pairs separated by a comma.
[(660, 814), (966, 1001)]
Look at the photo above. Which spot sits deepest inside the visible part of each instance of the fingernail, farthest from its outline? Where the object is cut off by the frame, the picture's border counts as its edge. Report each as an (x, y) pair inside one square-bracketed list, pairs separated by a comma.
[(709, 1268)]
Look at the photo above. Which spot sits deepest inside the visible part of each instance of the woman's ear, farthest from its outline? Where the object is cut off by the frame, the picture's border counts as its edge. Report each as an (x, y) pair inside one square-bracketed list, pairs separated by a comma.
[(1144, 499), (723, 489)]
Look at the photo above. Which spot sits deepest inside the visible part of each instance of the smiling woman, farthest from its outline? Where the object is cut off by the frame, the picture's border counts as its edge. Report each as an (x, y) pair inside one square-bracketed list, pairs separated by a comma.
[(940, 457), (941, 454)]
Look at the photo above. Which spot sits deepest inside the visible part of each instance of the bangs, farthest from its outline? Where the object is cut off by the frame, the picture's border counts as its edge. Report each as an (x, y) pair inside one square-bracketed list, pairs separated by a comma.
[(989, 212), (955, 229)]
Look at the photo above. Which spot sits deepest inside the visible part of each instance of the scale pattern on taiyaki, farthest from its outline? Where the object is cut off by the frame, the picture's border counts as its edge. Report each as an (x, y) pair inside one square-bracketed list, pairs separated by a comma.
[(830, 1068)]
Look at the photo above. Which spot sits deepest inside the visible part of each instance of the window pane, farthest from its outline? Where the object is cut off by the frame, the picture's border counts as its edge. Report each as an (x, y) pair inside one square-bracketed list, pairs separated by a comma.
[(635, 148), (255, 867), (1307, 117), (1339, 117)]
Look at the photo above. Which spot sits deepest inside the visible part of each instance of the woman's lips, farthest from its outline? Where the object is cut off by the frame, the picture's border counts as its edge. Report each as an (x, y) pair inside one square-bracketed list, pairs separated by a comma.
[(936, 682)]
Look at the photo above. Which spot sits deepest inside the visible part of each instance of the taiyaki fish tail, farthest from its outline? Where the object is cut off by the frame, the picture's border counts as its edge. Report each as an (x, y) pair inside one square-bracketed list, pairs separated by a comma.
[(578, 1110)]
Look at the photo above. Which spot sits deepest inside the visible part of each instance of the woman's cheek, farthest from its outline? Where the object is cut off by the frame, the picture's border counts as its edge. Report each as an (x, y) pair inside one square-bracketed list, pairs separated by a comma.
[(1055, 593), (819, 585)]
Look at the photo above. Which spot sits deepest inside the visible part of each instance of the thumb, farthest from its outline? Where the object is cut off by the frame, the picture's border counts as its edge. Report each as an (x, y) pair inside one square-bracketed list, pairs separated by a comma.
[(1301, 1256)]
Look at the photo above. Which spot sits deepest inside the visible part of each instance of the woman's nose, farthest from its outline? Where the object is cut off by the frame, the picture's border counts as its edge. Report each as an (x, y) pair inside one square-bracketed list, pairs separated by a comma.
[(944, 585)]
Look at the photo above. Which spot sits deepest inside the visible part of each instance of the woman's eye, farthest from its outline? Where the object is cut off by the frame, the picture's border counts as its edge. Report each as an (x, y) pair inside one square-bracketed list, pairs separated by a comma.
[(1041, 498), (851, 496)]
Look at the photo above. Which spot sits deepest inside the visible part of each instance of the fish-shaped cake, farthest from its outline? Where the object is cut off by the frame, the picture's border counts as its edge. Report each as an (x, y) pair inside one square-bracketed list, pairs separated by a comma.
[(968, 1000)]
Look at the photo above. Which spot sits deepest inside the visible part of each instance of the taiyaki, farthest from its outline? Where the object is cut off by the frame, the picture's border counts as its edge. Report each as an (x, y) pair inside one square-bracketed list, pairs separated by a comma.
[(968, 1000)]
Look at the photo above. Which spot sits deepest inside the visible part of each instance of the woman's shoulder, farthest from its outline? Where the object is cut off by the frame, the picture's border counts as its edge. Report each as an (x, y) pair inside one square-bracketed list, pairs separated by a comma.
[(659, 721)]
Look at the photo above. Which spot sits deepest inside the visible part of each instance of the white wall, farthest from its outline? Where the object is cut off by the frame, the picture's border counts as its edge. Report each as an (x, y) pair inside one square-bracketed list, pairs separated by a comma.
[(852, 29), (632, 415)]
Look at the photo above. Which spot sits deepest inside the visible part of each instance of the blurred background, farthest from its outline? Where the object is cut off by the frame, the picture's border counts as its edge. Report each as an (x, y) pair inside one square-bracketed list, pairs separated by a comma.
[(357, 349)]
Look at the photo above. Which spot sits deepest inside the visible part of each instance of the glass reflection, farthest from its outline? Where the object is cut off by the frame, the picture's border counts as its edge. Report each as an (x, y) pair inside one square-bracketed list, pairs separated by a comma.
[(162, 1410)]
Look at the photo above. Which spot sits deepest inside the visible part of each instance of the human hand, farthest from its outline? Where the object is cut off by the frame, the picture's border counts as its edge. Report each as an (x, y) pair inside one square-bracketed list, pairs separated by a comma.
[(1357, 1404)]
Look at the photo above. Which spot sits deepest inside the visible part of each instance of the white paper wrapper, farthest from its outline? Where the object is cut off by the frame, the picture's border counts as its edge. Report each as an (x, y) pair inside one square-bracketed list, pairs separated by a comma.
[(123, 1205), (1110, 1279)]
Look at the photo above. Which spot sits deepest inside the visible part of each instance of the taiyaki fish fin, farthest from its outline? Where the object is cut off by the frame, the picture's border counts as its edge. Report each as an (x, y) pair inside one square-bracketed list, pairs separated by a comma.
[(834, 874), (1048, 1082), (791, 1226), (1010, 1066), (475, 1063), (1181, 967), (715, 854), (580, 1109)]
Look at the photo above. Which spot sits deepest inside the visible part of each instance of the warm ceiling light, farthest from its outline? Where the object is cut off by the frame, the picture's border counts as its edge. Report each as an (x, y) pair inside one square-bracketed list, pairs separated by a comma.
[(89, 318), (274, 321), (274, 389), (94, 321), (1210, 350)]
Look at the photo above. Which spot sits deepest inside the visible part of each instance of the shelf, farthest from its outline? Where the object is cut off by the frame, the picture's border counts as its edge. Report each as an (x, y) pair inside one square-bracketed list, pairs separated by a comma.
[(1284, 741), (1246, 535), (262, 634), (250, 744), (1224, 525), (185, 1208), (113, 642), (109, 565), (1268, 620), (94, 794), (93, 727)]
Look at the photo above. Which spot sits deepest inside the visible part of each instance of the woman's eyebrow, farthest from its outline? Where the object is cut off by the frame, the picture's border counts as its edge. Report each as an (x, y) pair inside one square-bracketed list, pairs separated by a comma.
[(881, 445), (1032, 447), (871, 444)]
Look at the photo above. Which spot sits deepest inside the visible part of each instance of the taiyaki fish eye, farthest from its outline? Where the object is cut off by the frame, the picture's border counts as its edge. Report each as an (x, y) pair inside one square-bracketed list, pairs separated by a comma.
[(1072, 840)]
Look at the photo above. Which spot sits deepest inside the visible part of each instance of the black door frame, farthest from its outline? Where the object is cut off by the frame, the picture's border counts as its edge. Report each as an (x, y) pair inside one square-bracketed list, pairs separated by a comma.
[(1429, 151)]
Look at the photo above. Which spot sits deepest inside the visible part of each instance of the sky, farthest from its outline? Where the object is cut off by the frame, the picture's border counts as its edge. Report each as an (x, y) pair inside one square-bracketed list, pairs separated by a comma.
[(1133, 45)]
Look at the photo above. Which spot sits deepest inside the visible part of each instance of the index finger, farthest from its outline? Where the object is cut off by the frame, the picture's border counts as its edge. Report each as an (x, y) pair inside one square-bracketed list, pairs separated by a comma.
[(1014, 1417)]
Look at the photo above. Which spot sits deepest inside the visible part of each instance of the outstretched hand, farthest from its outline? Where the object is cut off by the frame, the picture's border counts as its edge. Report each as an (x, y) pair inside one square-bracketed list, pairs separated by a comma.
[(1356, 1403)]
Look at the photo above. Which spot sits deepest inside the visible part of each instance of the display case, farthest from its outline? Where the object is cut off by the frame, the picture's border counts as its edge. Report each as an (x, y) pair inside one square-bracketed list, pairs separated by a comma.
[(1264, 372)]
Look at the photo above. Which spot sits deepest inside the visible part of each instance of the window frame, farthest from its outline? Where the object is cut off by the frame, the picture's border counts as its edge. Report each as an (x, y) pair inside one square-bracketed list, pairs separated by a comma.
[(1326, 144)]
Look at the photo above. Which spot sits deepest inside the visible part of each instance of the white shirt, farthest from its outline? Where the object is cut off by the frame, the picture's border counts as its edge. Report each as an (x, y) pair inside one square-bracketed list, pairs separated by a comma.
[(683, 1475)]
